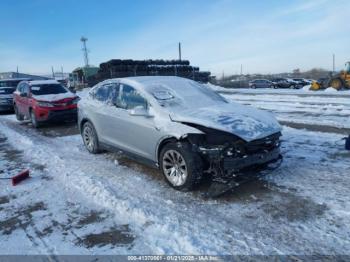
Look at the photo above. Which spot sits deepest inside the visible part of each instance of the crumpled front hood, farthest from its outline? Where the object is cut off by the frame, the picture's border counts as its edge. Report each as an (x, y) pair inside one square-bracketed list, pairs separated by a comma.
[(245, 122)]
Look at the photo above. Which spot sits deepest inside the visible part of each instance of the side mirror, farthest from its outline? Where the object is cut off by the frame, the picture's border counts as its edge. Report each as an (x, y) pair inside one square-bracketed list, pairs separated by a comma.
[(140, 111)]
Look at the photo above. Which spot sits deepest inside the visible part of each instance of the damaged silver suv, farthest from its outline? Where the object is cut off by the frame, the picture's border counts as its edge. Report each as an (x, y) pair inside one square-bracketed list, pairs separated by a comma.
[(178, 125)]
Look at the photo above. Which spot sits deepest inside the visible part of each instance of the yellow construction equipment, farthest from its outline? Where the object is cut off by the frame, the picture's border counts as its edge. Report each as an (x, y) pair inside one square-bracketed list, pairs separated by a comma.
[(337, 81)]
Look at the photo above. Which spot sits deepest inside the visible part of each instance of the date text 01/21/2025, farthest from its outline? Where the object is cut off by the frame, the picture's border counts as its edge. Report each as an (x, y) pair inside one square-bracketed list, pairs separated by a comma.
[(173, 258)]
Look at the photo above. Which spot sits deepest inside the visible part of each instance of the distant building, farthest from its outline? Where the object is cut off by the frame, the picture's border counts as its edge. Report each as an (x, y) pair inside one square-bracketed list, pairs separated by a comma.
[(80, 76), (10, 75)]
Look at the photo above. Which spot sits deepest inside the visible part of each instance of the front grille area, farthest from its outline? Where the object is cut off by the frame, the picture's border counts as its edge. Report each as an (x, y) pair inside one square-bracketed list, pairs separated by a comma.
[(234, 164), (6, 101), (257, 146), (267, 143)]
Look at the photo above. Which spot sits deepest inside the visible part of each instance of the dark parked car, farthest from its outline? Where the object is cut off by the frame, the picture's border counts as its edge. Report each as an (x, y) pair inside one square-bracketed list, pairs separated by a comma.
[(261, 83), (302, 82), (7, 87), (284, 83)]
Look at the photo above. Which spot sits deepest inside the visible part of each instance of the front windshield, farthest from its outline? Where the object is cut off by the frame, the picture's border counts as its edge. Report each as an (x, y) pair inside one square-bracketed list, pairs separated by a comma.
[(9, 83), (48, 89), (185, 95)]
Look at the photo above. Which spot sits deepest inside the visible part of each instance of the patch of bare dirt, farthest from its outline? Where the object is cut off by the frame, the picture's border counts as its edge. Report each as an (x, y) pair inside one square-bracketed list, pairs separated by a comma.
[(116, 236)]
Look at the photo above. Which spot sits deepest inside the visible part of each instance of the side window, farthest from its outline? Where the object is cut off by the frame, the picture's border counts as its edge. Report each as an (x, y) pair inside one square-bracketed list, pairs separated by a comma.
[(130, 98), (25, 89), (107, 93), (20, 88)]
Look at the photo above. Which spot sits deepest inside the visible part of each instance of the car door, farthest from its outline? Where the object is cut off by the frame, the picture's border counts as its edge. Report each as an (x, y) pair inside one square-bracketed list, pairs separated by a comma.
[(26, 99), (101, 110), (17, 97), (259, 83), (136, 134), (263, 83), (23, 91)]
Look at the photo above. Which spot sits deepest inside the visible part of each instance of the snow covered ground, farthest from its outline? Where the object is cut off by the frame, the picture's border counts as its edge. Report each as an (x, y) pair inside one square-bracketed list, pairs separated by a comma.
[(78, 203), (298, 106)]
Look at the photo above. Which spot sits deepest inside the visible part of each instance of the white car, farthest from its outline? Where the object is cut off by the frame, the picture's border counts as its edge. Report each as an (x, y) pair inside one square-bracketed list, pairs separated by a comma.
[(178, 125)]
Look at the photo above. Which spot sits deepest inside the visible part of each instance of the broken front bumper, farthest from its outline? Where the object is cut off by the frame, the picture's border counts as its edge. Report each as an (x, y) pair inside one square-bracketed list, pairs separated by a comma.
[(232, 164), (236, 164)]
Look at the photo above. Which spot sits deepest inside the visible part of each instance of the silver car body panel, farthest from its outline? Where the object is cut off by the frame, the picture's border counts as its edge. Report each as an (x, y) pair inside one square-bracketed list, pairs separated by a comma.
[(243, 121), (190, 102)]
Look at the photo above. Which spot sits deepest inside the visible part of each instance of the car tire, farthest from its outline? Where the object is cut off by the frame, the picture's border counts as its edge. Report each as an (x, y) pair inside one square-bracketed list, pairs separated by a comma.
[(253, 86), (19, 117), (33, 119), (90, 138), (182, 168)]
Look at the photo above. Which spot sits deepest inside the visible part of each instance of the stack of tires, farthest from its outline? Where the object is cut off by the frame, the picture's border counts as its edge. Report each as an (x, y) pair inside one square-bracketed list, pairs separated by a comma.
[(117, 68)]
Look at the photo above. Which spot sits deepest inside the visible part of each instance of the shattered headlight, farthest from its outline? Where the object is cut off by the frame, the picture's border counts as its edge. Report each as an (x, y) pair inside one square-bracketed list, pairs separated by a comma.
[(45, 104)]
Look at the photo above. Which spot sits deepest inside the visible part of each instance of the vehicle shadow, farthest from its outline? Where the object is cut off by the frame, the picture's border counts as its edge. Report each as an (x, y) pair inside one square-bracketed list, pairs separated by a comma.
[(255, 187), (57, 129)]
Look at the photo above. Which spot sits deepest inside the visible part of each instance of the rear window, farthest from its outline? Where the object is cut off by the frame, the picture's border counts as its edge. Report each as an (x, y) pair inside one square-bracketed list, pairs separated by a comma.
[(48, 89)]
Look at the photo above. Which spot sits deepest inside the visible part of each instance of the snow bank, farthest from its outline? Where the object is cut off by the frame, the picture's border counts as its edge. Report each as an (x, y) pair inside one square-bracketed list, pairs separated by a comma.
[(306, 88), (331, 89), (215, 87)]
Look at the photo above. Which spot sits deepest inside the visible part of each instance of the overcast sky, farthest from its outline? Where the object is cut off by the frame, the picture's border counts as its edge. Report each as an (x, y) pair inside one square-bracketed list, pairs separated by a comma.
[(217, 35)]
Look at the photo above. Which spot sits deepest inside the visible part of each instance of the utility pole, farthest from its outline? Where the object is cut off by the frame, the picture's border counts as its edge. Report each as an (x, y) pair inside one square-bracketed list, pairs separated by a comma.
[(241, 69), (17, 72), (85, 51), (62, 72), (180, 51), (333, 63), (53, 72)]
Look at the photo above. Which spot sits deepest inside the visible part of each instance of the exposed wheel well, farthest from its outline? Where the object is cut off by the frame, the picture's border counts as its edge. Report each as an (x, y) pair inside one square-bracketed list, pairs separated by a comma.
[(190, 138), (82, 123), (163, 143)]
